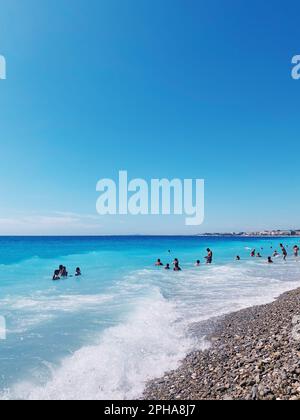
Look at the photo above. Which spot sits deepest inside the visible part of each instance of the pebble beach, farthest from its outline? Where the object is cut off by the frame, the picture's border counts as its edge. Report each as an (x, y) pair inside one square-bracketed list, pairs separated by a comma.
[(254, 354)]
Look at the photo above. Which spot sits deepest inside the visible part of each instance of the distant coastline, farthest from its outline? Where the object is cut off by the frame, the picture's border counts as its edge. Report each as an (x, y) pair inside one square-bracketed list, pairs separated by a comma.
[(260, 234), (264, 234)]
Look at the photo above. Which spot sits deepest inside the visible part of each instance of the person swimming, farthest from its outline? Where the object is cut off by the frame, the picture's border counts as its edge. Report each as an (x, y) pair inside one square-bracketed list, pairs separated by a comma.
[(198, 263), (209, 257), (158, 263), (63, 271), (258, 255), (276, 254), (78, 272), (270, 261), (253, 252), (167, 267), (296, 251), (56, 275), (238, 258)]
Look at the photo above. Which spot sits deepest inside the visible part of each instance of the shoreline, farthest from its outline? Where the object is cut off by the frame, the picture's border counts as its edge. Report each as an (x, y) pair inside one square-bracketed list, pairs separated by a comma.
[(254, 354)]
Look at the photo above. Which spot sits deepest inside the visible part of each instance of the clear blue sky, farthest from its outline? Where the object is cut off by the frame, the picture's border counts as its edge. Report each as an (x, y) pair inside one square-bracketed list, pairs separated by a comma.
[(161, 88)]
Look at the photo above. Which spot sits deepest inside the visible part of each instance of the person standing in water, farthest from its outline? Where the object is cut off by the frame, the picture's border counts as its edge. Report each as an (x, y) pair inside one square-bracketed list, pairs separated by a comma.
[(284, 252), (296, 251), (176, 261), (209, 257), (177, 267), (253, 253)]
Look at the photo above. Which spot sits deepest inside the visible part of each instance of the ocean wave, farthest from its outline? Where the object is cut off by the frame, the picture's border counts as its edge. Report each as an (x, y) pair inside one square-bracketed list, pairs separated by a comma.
[(150, 342)]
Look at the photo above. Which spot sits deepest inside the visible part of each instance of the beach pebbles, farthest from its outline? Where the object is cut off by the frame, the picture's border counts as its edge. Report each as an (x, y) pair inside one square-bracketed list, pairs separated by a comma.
[(254, 355)]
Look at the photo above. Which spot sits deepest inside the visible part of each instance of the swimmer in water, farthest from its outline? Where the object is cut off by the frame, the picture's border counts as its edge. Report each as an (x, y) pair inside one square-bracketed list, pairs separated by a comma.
[(78, 272), (253, 253), (167, 267), (159, 263), (198, 263), (276, 254), (270, 261), (296, 251), (238, 258), (63, 271), (258, 255), (56, 275)]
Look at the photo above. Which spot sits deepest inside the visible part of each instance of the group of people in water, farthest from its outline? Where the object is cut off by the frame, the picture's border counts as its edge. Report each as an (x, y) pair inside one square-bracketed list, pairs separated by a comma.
[(276, 254), (176, 264), (62, 273), (254, 254)]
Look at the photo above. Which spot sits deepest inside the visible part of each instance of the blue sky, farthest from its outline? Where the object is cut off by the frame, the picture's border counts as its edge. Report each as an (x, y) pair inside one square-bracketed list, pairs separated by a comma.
[(161, 88)]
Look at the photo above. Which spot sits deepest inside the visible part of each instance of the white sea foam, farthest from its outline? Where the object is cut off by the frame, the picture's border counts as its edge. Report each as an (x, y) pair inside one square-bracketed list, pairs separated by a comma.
[(61, 303), (150, 342), (40, 308)]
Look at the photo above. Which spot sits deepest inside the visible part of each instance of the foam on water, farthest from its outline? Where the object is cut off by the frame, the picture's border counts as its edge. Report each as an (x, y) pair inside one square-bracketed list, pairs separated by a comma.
[(148, 343), (62, 303)]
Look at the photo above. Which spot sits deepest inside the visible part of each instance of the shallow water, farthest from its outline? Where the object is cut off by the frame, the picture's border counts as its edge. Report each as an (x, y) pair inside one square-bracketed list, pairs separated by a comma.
[(124, 321)]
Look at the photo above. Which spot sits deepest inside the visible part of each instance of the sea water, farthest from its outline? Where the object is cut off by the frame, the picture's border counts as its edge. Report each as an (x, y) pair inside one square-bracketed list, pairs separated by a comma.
[(124, 322)]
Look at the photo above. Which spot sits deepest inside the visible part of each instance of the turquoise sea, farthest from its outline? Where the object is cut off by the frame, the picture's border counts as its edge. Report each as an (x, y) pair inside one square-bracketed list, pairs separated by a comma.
[(103, 335)]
